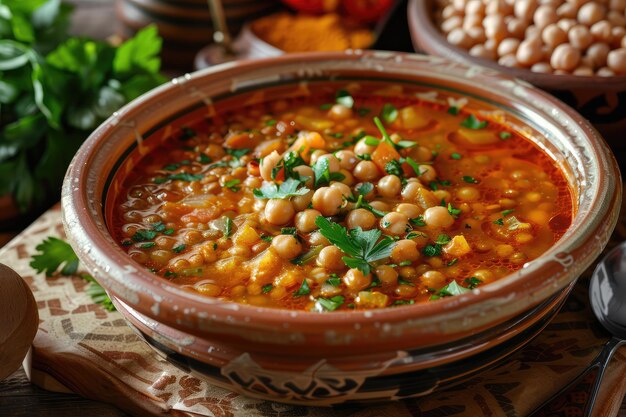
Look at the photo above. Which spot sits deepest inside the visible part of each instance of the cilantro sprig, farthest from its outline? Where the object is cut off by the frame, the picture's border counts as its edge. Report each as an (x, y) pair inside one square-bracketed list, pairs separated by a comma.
[(289, 188), (449, 290), (361, 247), (323, 176)]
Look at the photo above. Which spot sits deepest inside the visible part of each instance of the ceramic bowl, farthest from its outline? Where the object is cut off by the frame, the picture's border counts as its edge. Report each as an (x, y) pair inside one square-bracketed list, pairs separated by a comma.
[(341, 356), (601, 100)]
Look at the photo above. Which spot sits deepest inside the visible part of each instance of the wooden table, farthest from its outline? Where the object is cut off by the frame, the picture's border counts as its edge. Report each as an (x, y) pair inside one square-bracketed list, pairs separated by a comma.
[(17, 396)]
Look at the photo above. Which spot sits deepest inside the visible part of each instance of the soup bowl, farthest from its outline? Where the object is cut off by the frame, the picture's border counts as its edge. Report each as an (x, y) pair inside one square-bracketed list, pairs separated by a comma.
[(330, 358)]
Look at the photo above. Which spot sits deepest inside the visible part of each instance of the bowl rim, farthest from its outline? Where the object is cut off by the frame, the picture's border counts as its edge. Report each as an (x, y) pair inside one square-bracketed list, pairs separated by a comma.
[(427, 37), (89, 240)]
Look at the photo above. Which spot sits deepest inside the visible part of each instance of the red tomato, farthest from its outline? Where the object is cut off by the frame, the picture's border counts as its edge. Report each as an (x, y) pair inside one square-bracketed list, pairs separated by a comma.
[(366, 10), (312, 6)]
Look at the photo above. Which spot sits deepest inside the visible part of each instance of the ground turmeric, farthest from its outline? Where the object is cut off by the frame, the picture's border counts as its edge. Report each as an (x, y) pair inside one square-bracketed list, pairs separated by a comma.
[(301, 33)]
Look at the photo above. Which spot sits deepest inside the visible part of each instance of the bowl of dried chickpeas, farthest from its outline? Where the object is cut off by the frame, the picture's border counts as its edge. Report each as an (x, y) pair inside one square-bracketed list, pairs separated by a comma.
[(574, 49)]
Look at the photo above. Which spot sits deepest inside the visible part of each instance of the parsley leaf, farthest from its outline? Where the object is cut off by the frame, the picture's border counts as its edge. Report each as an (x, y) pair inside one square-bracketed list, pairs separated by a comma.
[(453, 110), (418, 221), (455, 156), (393, 167), (432, 250), (143, 235), (329, 304), (443, 239), (237, 153), (507, 212), (344, 98), (505, 135), (266, 288), (233, 185), (403, 302), (303, 290), (179, 248), (307, 257), (181, 176), (473, 123), (334, 280), (470, 180), (323, 176), (228, 227), (472, 282), (389, 113), (453, 211), (287, 189), (362, 247), (54, 253), (499, 222), (449, 290)]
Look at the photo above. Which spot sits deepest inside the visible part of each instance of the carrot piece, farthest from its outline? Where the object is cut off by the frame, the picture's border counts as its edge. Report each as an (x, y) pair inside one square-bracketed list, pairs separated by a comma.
[(241, 141), (307, 141), (383, 154)]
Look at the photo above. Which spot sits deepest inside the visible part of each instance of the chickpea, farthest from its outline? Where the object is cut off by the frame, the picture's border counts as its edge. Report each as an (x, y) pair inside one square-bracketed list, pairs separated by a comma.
[(552, 35), (460, 38), (362, 218), (410, 210), (590, 13), (279, 212), (366, 171), (616, 19), (411, 191), (362, 148), (268, 164), (516, 28), (468, 194), (449, 11), (305, 220), (605, 72), (306, 171), (499, 7), (433, 279), (301, 202), (583, 72), (355, 280), (438, 217), (404, 250), (566, 10), (380, 205), (386, 274), (333, 162), (509, 61), (617, 5), (475, 7), (451, 23), (565, 57), (480, 51), (508, 46), (524, 9), (427, 173), (347, 159), (394, 223), (601, 31), (327, 200), (617, 34), (345, 190), (330, 258), (495, 28), (287, 246), (597, 54), (542, 67), (529, 52), (339, 112), (477, 34), (472, 21), (389, 186), (616, 60), (544, 16), (484, 275)]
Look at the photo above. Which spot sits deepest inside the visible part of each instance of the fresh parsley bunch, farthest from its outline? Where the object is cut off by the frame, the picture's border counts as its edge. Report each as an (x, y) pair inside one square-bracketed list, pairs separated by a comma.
[(55, 89)]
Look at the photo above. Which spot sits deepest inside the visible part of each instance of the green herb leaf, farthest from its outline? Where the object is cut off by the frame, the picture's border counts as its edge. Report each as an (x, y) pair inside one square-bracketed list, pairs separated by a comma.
[(228, 227), (452, 262), (499, 222), (394, 167), (432, 250), (307, 257), (181, 176), (455, 212), (289, 188), (403, 302), (449, 290), (326, 106), (237, 153), (147, 245), (179, 248), (505, 135), (266, 238), (266, 288), (344, 98), (54, 253), (406, 144), (443, 239), (362, 247), (472, 282), (303, 290), (418, 221), (323, 176), (453, 110), (389, 113), (334, 280), (507, 212), (139, 54), (271, 122), (455, 156), (328, 304), (473, 123), (233, 185), (470, 180), (144, 235), (365, 188)]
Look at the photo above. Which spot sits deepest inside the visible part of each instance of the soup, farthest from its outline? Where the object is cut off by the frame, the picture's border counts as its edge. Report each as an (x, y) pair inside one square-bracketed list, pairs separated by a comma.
[(341, 199)]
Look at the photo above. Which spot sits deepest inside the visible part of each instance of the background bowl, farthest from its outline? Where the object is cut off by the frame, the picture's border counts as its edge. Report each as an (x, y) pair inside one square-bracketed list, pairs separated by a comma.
[(343, 356), (601, 100)]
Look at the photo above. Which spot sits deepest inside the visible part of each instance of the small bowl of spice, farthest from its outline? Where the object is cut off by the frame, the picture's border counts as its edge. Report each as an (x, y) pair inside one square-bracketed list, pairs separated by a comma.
[(576, 50)]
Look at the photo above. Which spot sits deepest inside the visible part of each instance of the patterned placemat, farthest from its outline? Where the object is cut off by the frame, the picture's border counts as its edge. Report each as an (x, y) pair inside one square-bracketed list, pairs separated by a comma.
[(93, 353)]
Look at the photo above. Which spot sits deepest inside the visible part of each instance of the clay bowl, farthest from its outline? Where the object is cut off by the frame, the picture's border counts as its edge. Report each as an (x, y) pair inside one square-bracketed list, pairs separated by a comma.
[(312, 358), (601, 100)]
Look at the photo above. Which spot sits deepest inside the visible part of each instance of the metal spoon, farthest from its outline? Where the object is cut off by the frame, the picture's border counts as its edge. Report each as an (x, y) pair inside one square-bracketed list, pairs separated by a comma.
[(222, 49), (607, 296)]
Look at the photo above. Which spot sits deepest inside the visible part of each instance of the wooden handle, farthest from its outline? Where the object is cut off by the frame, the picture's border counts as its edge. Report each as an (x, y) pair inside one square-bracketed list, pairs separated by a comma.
[(19, 320)]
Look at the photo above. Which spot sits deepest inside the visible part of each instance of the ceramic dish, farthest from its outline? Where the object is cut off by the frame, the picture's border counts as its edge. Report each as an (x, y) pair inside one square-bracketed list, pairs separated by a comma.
[(599, 99), (348, 339)]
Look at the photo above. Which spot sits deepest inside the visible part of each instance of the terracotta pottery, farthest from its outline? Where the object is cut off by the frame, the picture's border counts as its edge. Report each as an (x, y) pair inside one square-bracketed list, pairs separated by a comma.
[(601, 100), (185, 25), (315, 358)]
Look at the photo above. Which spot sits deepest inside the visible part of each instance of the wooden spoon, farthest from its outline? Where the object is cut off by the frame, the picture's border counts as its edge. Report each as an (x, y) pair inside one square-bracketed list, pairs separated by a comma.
[(19, 320)]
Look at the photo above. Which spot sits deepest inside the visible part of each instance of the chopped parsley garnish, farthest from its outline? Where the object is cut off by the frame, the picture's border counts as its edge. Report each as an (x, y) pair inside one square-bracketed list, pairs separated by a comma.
[(334, 280), (389, 113), (158, 226), (144, 235), (179, 248), (394, 167), (434, 185), (499, 222), (365, 157), (473, 123), (507, 212), (505, 135), (288, 188), (455, 156), (288, 231), (413, 164), (181, 176), (363, 111), (418, 221), (307, 257), (147, 245), (402, 281), (365, 188), (403, 302), (303, 290), (443, 239), (237, 153), (336, 135), (271, 122), (432, 250), (470, 179), (405, 263), (344, 98), (453, 110), (326, 106), (169, 274), (453, 211), (204, 158), (328, 304), (168, 232), (323, 176), (472, 282), (266, 288), (233, 185), (361, 247), (228, 227), (449, 290), (413, 235), (452, 262), (372, 141), (171, 167), (267, 238), (406, 144)]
